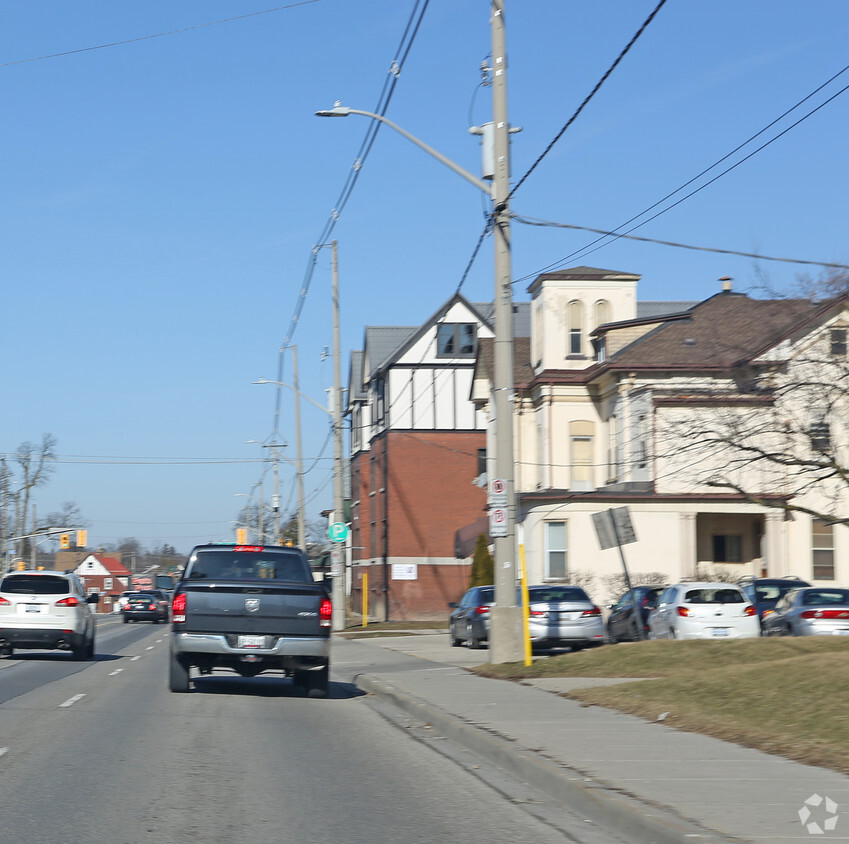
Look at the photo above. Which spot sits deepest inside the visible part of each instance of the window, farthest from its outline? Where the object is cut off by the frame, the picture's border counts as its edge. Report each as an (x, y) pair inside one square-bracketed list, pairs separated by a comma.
[(643, 434), (379, 389), (819, 431), (575, 319), (602, 312), (555, 550), (822, 544), (613, 461), (481, 461), (107, 582), (838, 342), (456, 340), (727, 548), (581, 443)]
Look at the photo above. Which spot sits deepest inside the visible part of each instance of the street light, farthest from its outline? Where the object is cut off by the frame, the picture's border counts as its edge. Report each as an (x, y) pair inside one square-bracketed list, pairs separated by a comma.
[(505, 625)]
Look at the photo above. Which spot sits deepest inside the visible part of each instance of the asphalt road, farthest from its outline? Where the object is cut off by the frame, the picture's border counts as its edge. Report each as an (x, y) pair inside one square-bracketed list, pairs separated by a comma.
[(102, 752)]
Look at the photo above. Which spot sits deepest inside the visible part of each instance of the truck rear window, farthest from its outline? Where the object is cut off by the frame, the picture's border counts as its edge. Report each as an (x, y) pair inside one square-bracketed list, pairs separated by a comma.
[(249, 565)]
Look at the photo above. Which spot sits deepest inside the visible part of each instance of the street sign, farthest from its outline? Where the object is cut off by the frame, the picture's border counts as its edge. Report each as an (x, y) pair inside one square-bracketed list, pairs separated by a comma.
[(613, 527), (498, 521), (336, 562), (337, 532), (498, 493)]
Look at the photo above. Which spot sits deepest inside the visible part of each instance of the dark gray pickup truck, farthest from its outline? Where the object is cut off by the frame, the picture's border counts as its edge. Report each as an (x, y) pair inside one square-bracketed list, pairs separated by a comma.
[(250, 608)]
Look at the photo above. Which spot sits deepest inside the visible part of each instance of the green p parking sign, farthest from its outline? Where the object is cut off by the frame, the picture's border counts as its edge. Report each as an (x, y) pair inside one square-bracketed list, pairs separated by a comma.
[(337, 532)]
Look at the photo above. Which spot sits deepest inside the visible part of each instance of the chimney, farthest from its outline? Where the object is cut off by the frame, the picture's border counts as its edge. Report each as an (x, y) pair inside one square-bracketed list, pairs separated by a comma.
[(726, 283)]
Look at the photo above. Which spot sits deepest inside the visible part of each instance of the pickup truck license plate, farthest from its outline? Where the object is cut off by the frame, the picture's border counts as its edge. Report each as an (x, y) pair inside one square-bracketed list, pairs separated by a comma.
[(720, 631), (250, 642)]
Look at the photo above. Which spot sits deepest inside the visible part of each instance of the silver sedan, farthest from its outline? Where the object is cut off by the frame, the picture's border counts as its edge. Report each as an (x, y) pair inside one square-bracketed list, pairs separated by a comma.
[(563, 615), (813, 611)]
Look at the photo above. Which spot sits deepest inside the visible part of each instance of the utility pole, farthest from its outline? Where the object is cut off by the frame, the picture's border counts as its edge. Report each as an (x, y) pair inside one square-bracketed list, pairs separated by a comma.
[(506, 624), (302, 527), (339, 593)]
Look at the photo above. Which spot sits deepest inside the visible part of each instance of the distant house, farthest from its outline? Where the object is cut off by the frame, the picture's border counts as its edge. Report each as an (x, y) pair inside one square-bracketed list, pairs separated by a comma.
[(103, 575)]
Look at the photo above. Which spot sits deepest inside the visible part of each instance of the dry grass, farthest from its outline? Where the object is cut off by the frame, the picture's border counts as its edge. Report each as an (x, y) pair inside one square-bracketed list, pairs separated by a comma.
[(785, 696)]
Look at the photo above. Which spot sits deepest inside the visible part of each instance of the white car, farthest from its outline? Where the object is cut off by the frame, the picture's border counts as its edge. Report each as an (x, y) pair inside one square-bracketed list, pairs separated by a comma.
[(47, 610), (703, 611)]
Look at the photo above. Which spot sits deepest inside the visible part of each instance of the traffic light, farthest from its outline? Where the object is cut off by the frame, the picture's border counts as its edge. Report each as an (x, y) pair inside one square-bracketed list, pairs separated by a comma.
[(241, 536), (65, 541), (82, 537)]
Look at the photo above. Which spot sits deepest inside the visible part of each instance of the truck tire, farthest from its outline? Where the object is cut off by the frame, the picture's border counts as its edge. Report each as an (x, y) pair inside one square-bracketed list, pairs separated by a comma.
[(318, 682), (178, 675)]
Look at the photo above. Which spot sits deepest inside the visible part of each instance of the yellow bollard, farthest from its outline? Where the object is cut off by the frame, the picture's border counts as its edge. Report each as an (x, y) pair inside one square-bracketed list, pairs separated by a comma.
[(526, 633), (365, 598)]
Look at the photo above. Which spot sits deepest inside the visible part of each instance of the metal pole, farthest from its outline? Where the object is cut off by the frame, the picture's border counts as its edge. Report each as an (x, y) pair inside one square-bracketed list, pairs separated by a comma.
[(302, 527), (339, 590), (505, 631), (275, 500)]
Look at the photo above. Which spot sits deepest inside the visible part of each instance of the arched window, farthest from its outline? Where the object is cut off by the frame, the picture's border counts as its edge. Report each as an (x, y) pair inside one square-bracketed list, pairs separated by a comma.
[(575, 320), (602, 313)]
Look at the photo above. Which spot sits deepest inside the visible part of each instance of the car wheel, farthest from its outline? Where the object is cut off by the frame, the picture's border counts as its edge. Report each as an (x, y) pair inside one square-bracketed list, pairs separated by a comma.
[(471, 640), (672, 633), (318, 682), (126, 620), (178, 675), (452, 635), (611, 637), (89, 651), (7, 652), (80, 652)]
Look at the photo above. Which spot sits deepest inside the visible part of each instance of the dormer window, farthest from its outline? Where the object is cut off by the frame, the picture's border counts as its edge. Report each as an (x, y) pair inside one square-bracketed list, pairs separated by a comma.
[(838, 342), (456, 340)]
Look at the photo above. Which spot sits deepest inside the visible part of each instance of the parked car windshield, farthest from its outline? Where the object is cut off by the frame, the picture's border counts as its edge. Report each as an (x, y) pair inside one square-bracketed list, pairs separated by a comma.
[(247, 565), (713, 596), (35, 584), (826, 596), (556, 593)]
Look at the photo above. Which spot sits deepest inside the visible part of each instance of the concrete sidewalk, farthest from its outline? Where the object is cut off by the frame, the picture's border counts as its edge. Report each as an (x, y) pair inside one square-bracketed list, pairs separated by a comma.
[(642, 780)]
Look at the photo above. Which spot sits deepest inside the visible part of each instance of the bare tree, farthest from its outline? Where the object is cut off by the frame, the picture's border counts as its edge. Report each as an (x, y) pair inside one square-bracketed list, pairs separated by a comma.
[(33, 465), (776, 433)]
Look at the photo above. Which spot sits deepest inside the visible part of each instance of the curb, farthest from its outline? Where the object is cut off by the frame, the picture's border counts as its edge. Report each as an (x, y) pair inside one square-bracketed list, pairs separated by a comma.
[(639, 822)]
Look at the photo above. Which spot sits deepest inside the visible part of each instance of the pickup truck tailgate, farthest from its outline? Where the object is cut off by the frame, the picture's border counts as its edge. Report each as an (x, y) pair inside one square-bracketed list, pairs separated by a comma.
[(272, 609)]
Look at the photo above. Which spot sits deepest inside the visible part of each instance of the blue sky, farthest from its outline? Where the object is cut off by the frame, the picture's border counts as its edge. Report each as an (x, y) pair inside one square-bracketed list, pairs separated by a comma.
[(161, 198)]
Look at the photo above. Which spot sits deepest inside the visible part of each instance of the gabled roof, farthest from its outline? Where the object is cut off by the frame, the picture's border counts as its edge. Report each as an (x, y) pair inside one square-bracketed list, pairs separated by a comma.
[(485, 361), (724, 331), (383, 345), (652, 310)]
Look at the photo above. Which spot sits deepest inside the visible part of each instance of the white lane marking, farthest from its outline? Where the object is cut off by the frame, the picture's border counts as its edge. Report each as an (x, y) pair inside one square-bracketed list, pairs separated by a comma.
[(149, 648), (4, 751), (71, 700), (158, 641), (116, 671), (134, 658)]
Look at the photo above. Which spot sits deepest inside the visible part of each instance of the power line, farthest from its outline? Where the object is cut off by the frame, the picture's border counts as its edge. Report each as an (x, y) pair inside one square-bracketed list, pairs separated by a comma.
[(615, 233), (530, 221), (589, 96), (156, 35)]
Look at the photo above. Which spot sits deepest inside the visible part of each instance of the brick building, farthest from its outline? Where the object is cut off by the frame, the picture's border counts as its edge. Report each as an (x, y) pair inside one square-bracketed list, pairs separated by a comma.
[(418, 445)]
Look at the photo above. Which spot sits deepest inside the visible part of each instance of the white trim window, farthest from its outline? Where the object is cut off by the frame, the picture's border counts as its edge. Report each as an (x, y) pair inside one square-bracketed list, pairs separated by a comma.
[(556, 553)]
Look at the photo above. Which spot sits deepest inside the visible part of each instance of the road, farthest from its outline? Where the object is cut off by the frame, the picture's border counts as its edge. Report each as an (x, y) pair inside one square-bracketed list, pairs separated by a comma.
[(102, 752)]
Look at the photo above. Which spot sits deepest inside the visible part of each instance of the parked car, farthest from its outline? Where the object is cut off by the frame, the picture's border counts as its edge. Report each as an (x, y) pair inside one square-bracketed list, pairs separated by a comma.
[(46, 610), (631, 609), (810, 611), (703, 611), (765, 592), (469, 620), (145, 606), (563, 615)]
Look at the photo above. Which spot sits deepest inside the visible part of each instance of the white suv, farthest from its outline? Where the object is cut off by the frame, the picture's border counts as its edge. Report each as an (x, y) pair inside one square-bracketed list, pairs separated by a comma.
[(46, 610)]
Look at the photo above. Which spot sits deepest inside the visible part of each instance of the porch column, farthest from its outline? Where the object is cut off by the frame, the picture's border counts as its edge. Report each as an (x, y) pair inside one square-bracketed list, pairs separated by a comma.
[(687, 557), (775, 540)]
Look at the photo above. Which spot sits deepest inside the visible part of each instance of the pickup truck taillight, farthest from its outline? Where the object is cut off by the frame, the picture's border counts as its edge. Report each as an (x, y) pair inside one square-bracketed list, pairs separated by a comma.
[(325, 613), (178, 609)]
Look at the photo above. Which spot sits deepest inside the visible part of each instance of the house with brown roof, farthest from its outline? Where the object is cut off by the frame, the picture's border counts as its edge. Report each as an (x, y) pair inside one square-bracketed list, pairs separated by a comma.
[(103, 575), (715, 423)]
